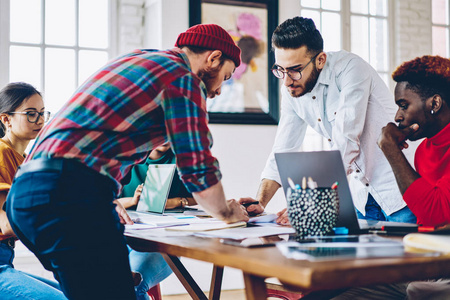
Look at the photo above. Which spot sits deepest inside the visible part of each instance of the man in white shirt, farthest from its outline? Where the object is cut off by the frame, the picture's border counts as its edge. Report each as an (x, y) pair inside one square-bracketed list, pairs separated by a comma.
[(344, 99)]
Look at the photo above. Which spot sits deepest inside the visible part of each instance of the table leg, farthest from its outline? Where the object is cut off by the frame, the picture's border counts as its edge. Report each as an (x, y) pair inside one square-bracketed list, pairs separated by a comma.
[(185, 278), (255, 287), (216, 283)]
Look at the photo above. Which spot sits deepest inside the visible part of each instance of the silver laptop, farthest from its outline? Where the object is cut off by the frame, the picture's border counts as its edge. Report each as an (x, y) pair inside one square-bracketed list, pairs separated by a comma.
[(326, 167), (156, 188)]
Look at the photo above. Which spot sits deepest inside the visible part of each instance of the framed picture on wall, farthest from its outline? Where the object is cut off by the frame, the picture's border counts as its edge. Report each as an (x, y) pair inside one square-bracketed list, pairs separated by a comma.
[(251, 95)]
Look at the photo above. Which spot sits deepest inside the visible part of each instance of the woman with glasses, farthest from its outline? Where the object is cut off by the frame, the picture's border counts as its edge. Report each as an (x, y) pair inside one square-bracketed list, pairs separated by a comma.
[(22, 115)]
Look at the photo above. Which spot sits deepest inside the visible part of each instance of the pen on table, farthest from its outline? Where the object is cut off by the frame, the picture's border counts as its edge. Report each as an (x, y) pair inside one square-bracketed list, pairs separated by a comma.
[(394, 233), (408, 229), (249, 203), (137, 221)]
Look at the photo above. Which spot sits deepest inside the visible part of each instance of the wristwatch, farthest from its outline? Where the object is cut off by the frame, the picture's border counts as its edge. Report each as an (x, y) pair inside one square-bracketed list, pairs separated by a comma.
[(184, 202)]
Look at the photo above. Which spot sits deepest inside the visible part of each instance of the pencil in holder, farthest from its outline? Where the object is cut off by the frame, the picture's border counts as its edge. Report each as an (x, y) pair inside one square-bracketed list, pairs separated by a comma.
[(313, 212)]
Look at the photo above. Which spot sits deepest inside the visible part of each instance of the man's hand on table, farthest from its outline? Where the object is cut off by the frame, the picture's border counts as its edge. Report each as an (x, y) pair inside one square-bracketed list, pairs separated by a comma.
[(253, 209), (123, 215), (236, 212)]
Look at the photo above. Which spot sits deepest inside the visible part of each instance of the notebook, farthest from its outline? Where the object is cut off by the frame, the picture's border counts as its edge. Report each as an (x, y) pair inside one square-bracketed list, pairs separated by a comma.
[(326, 167), (156, 188)]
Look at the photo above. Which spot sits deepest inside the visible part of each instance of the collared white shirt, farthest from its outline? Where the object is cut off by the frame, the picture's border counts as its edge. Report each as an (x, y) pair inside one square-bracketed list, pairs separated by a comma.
[(348, 106)]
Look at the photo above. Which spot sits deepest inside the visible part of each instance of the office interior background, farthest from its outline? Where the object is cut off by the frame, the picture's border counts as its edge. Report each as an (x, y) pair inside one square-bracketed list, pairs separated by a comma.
[(57, 44)]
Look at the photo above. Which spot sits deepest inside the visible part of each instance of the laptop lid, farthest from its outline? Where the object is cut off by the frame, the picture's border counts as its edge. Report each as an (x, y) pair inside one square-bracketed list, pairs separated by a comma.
[(156, 188), (325, 167)]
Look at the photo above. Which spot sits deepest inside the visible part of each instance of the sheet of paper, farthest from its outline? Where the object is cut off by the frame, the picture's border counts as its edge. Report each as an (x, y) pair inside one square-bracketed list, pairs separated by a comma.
[(266, 218), (146, 221), (156, 232), (137, 226), (247, 232), (207, 226)]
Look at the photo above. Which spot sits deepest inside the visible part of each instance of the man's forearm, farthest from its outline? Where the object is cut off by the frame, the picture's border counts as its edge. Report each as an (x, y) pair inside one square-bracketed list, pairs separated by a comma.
[(267, 189), (404, 173), (213, 201)]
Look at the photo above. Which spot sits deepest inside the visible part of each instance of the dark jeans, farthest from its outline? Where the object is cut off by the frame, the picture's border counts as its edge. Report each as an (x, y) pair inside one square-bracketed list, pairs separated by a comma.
[(374, 212), (67, 218)]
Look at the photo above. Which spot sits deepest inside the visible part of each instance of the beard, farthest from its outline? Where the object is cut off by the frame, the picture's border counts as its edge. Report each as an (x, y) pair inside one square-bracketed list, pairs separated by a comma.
[(309, 84), (208, 76)]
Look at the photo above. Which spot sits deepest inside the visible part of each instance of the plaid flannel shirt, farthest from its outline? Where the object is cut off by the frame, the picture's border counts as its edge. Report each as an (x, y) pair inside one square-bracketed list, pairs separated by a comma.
[(130, 106)]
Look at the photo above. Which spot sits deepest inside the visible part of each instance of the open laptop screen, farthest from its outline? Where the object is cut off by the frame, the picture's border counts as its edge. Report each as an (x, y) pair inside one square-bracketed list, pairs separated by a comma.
[(156, 188), (325, 167)]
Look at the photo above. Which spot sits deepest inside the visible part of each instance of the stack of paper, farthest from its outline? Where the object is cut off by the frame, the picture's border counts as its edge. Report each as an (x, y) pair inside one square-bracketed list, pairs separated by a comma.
[(247, 232), (148, 221), (264, 218), (207, 225)]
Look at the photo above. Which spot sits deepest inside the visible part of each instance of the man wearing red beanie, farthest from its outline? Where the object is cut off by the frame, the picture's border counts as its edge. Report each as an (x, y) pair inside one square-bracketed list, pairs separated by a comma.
[(81, 159)]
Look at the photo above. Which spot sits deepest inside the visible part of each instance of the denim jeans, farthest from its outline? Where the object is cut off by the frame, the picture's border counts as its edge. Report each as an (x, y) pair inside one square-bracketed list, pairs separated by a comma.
[(67, 218), (153, 269), (15, 284), (374, 212)]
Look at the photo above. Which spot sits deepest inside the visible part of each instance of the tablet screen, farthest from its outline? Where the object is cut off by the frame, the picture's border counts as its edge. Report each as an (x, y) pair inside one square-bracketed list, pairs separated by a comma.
[(156, 188)]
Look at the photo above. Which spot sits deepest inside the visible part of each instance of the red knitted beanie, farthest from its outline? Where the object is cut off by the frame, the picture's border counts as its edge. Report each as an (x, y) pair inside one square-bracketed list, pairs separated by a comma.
[(210, 36)]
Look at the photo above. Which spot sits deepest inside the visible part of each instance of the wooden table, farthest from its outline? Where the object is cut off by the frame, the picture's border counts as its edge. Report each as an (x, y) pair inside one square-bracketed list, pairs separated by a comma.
[(257, 264)]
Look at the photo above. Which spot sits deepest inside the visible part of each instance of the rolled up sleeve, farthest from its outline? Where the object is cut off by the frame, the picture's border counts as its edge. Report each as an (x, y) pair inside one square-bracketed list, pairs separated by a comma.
[(186, 122)]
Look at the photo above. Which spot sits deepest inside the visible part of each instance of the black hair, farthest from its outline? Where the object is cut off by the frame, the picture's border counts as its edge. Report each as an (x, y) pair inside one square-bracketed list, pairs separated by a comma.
[(297, 32), (426, 91), (12, 96)]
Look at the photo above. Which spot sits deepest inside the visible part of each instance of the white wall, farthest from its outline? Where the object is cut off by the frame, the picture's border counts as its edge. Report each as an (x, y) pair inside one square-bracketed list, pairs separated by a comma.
[(412, 29)]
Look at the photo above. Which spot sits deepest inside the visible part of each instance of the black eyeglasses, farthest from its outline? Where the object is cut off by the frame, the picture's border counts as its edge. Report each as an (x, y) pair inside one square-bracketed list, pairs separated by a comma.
[(293, 74), (33, 116)]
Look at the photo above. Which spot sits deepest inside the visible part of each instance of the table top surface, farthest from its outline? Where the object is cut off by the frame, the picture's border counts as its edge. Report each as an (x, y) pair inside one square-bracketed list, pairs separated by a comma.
[(303, 274)]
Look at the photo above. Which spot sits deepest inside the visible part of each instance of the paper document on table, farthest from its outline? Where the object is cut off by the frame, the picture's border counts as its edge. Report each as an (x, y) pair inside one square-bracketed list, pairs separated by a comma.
[(247, 232), (263, 218), (148, 221), (207, 226), (156, 232), (137, 226)]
